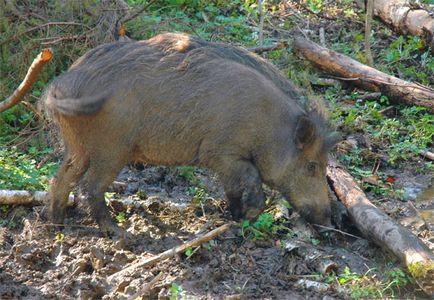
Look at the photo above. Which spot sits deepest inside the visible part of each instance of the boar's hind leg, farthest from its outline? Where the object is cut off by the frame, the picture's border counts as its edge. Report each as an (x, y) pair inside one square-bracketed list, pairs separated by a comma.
[(243, 188), (101, 173), (70, 171)]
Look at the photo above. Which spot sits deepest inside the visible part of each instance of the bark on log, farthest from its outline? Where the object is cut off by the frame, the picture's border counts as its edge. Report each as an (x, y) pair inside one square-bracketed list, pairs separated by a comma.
[(350, 70), (428, 154), (31, 76), (406, 20), (14, 197), (381, 229)]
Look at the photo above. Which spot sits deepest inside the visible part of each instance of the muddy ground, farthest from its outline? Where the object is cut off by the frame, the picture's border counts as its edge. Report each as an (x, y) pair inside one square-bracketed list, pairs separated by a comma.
[(38, 263)]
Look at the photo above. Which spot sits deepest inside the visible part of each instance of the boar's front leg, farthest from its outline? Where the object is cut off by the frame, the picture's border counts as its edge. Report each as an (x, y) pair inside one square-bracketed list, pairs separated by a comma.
[(243, 188)]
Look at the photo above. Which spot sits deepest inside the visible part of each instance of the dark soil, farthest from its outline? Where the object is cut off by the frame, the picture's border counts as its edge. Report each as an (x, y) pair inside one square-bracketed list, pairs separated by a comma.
[(37, 265)]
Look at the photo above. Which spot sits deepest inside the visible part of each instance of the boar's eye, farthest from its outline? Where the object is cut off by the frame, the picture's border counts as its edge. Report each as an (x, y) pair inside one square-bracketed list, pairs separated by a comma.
[(311, 168)]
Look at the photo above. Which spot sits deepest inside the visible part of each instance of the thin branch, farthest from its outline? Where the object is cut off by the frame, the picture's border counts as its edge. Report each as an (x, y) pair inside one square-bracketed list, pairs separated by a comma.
[(264, 48), (369, 10), (337, 230), (261, 22), (133, 15), (55, 24), (36, 112), (65, 38)]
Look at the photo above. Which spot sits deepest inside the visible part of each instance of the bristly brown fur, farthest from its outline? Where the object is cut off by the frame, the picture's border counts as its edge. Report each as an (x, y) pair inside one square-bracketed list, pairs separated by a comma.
[(178, 100)]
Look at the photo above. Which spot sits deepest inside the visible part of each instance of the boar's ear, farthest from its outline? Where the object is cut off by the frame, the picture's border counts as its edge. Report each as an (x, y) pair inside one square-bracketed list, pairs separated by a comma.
[(331, 139), (304, 132)]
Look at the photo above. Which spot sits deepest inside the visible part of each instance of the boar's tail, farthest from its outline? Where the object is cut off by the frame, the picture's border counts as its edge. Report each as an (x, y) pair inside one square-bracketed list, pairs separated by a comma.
[(83, 105)]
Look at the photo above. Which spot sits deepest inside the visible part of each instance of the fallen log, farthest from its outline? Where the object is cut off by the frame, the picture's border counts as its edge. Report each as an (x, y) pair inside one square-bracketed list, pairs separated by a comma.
[(381, 229), (17, 197), (35, 198), (30, 78), (354, 72), (405, 19)]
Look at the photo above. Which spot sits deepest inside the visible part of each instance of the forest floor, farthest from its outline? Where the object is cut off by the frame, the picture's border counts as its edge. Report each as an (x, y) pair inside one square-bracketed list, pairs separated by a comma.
[(38, 263), (163, 207)]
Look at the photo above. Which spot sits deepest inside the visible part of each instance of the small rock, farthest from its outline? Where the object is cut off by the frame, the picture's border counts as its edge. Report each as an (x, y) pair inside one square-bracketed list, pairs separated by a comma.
[(97, 258), (79, 266)]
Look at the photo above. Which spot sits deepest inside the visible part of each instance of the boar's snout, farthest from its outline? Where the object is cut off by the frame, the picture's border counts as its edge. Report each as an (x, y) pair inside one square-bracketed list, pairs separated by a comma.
[(317, 214)]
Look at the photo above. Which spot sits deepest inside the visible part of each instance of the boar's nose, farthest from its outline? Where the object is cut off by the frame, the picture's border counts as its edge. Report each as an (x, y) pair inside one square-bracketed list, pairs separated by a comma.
[(317, 215)]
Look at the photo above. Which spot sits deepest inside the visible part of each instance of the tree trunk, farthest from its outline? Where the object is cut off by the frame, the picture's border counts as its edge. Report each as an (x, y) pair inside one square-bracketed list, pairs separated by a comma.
[(406, 20), (352, 71), (381, 229)]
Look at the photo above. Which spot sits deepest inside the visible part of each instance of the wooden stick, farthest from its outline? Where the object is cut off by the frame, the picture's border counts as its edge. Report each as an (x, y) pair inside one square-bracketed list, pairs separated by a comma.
[(354, 72), (145, 290), (368, 21), (31, 76), (381, 229), (171, 252), (260, 49), (261, 23)]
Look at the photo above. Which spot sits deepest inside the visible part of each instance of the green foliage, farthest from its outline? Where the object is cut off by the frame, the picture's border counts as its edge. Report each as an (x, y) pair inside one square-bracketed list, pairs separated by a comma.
[(141, 193), (4, 220), (7, 223), (199, 192), (177, 292), (406, 56), (20, 171), (399, 138), (121, 218), (196, 189), (261, 229), (366, 286), (60, 237), (188, 173), (188, 252), (315, 5), (420, 270)]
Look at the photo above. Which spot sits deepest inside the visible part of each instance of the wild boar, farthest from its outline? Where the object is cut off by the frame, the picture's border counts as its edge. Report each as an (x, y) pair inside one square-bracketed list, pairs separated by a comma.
[(177, 100)]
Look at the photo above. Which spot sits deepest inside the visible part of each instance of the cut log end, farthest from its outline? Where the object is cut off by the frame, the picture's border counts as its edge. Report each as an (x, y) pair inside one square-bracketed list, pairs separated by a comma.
[(46, 54)]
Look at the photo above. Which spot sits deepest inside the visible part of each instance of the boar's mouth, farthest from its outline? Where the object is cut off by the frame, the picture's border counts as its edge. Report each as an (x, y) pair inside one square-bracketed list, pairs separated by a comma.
[(314, 214)]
